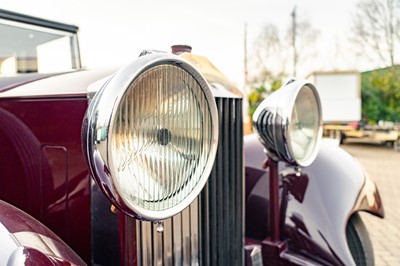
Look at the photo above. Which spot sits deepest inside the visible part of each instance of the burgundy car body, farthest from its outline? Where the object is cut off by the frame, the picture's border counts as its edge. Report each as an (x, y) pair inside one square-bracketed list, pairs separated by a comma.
[(43, 172)]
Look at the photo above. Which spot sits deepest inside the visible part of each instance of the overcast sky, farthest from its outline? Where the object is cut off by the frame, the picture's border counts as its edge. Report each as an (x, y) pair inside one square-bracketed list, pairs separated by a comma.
[(115, 32)]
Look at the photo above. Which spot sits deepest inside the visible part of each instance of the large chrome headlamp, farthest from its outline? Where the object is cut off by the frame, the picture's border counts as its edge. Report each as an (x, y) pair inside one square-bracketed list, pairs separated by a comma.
[(152, 135), (289, 123)]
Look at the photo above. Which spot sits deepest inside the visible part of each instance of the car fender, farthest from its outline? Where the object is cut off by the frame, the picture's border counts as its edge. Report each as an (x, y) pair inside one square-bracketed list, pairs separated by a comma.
[(24, 240), (320, 201)]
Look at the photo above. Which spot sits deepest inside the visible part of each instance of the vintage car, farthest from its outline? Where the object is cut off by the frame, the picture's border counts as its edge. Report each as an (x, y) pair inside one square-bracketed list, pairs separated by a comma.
[(148, 165)]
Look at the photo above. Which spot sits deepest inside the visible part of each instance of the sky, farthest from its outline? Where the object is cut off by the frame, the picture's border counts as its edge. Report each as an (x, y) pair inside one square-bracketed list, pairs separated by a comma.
[(115, 32)]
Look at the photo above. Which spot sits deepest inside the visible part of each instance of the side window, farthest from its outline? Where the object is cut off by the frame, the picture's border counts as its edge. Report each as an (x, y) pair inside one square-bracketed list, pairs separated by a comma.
[(28, 48)]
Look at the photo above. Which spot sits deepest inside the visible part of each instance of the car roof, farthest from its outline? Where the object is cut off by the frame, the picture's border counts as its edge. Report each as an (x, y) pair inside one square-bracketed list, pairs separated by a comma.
[(18, 17)]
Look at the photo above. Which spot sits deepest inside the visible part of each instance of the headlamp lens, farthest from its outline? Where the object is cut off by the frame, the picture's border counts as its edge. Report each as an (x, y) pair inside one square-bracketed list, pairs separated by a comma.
[(161, 138), (305, 123)]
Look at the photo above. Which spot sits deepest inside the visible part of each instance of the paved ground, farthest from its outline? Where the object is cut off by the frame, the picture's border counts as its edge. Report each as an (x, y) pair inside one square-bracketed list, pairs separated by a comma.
[(383, 164)]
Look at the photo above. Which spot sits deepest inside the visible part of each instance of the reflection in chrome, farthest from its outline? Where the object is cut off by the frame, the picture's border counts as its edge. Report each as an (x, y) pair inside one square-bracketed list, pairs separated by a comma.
[(176, 245), (289, 123), (152, 135)]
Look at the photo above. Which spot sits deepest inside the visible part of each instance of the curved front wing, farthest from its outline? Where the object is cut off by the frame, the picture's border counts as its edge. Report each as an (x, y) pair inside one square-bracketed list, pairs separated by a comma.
[(316, 205)]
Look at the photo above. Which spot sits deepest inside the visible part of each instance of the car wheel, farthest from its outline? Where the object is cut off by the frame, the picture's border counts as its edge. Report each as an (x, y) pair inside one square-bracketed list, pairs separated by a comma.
[(359, 242)]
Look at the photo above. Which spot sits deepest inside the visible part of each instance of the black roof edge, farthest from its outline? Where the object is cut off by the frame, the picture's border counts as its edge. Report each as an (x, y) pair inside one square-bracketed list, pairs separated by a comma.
[(18, 17)]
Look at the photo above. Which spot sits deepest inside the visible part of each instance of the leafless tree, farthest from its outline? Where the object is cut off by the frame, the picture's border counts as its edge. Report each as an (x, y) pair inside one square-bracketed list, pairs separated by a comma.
[(376, 30), (270, 56), (276, 52)]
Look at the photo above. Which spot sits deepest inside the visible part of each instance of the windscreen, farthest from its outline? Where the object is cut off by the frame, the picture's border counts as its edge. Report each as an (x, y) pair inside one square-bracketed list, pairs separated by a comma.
[(32, 49)]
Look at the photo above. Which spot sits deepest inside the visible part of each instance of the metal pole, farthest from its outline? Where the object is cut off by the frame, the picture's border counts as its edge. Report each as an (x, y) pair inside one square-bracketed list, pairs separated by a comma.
[(294, 40), (274, 213)]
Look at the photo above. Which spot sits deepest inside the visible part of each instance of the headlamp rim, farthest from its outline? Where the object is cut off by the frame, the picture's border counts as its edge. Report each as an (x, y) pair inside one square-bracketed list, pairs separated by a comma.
[(281, 104), (100, 117)]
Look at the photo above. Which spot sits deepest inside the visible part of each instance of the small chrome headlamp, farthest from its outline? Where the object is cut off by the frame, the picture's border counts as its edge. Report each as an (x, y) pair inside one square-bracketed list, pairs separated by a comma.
[(151, 136), (289, 123)]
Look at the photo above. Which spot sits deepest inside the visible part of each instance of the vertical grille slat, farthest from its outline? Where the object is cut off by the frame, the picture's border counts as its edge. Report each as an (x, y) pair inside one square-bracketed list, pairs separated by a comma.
[(168, 237), (176, 242), (194, 229), (227, 192), (238, 192), (210, 231), (186, 234), (219, 163), (158, 247)]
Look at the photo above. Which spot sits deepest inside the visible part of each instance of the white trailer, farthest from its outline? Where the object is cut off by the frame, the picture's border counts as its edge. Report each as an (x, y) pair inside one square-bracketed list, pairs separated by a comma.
[(340, 93)]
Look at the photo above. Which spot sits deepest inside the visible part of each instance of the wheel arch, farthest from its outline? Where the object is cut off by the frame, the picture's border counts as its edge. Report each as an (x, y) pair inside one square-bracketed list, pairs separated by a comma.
[(22, 235)]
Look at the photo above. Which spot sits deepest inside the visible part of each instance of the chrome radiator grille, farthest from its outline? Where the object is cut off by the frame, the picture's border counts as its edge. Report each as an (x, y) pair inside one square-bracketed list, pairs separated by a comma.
[(210, 230)]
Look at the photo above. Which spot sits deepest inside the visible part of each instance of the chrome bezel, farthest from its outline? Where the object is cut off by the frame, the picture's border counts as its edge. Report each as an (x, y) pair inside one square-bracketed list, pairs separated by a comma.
[(276, 136), (97, 132)]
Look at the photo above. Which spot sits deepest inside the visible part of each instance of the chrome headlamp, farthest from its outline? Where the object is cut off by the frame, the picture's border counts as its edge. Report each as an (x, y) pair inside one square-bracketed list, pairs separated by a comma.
[(152, 136), (289, 123)]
